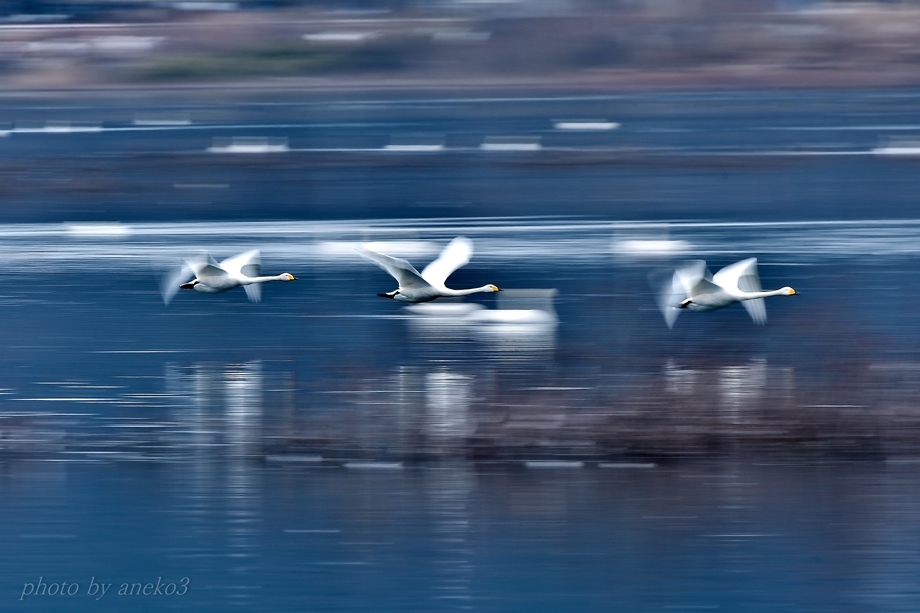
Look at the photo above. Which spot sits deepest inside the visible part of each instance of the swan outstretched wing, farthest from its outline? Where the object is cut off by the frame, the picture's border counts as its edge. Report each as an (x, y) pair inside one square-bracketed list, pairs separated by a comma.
[(456, 254), (742, 276), (246, 264), (205, 266), (679, 287), (739, 276), (687, 277), (667, 307), (757, 310), (703, 287), (170, 282), (401, 270), (253, 292)]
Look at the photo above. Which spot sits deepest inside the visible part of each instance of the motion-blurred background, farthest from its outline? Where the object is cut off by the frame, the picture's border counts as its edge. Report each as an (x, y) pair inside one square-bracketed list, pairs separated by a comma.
[(552, 43), (555, 446)]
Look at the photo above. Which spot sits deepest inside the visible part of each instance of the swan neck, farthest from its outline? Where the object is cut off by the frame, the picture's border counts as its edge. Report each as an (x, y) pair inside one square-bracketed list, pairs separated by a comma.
[(766, 294), (264, 279), (467, 292)]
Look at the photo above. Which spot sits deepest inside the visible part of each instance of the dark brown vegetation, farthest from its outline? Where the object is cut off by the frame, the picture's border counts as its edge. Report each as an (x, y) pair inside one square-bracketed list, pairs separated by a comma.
[(636, 44)]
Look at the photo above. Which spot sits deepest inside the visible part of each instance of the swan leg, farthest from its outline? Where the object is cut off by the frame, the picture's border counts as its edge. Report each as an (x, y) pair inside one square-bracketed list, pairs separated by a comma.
[(389, 294)]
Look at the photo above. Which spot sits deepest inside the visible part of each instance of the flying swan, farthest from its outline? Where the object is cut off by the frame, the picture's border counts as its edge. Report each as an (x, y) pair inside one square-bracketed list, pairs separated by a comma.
[(429, 284), (694, 287), (213, 278)]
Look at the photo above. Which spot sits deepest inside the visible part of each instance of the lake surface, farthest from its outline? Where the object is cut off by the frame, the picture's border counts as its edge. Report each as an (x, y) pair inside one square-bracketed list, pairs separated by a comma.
[(552, 446)]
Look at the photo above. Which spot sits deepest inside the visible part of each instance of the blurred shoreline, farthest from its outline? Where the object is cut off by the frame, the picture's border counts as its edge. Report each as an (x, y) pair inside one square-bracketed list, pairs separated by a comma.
[(546, 46)]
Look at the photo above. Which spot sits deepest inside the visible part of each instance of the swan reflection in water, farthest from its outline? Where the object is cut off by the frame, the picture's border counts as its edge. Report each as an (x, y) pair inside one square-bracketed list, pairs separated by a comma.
[(447, 407), (219, 406), (219, 422), (739, 388), (523, 326)]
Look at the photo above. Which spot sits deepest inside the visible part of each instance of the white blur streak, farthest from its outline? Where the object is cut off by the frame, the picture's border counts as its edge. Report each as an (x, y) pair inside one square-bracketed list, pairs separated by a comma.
[(520, 240), (162, 120), (57, 127), (104, 230), (248, 144), (418, 148), (339, 37), (651, 247), (586, 125), (898, 150), (896, 146), (510, 143), (396, 248)]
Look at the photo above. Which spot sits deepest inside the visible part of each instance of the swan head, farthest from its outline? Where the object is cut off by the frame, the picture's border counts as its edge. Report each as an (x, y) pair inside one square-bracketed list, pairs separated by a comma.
[(788, 291), (286, 276), (494, 288)]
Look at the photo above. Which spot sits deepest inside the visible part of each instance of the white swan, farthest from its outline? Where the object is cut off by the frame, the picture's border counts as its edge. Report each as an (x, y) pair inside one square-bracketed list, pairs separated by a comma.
[(212, 277), (429, 284), (693, 287)]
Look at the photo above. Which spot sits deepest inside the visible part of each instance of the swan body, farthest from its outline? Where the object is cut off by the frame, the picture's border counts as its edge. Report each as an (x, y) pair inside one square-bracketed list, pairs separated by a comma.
[(212, 277), (428, 285), (693, 287)]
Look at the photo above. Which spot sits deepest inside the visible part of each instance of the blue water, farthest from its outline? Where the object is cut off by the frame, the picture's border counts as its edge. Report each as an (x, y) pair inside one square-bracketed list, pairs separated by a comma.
[(329, 450), (252, 535)]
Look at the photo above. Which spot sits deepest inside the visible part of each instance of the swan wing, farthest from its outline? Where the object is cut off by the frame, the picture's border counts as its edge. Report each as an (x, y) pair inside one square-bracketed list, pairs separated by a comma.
[(205, 266), (245, 264), (750, 282), (673, 292), (703, 288), (456, 254), (666, 306), (687, 277), (757, 309), (170, 282), (401, 270), (253, 292), (740, 276), (678, 288)]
